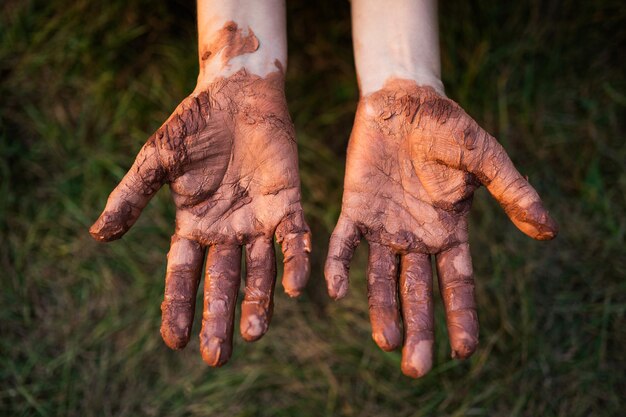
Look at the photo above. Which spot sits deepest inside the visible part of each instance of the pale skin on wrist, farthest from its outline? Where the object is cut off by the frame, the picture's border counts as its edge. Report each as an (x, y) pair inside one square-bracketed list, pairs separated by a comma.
[(398, 40), (266, 19)]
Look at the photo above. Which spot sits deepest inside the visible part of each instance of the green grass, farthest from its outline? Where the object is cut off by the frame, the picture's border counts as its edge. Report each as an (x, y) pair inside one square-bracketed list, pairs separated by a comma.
[(83, 83)]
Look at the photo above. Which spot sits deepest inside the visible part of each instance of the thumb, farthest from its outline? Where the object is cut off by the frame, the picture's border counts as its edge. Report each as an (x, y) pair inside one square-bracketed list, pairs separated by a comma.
[(131, 195)]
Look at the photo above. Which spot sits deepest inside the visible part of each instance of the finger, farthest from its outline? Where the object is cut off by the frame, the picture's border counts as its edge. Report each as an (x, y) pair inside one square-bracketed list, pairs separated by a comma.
[(223, 275), (416, 296), (184, 265), (258, 302), (343, 242), (131, 195), (488, 160), (456, 282), (382, 287), (295, 238)]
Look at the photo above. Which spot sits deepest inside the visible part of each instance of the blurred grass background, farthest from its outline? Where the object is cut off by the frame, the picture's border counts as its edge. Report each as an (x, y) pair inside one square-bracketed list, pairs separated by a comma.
[(82, 85)]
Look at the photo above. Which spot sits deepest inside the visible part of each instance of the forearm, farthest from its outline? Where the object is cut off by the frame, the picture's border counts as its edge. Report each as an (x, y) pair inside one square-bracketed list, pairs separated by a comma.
[(236, 34), (396, 39)]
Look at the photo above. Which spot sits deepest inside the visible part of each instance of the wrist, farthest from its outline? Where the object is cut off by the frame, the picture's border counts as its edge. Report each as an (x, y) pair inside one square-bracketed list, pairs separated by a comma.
[(374, 80), (399, 42), (255, 65), (240, 35)]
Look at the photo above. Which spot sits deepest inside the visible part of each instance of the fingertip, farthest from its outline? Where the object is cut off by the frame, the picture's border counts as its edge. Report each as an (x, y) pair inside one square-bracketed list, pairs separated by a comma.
[(343, 242), (463, 334), (114, 222), (337, 293), (293, 291), (253, 325), (106, 228), (176, 322), (413, 372), (296, 275), (536, 222), (388, 338), (549, 230), (215, 351), (251, 337), (96, 232), (336, 273), (175, 339), (463, 348), (337, 286), (417, 359), (295, 283), (294, 237)]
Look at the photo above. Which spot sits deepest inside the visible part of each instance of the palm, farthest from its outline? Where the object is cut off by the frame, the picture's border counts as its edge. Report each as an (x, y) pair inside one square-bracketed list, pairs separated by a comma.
[(239, 177), (401, 213)]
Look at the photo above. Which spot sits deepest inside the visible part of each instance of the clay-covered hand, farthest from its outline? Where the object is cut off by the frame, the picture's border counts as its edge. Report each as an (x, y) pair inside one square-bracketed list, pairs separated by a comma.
[(229, 154), (414, 160)]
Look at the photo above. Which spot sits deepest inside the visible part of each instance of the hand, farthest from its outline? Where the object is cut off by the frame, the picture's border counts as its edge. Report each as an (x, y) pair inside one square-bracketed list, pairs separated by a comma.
[(230, 157), (414, 161)]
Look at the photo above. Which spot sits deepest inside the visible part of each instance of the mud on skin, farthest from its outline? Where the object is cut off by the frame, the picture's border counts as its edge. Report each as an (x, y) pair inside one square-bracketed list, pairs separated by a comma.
[(415, 159), (229, 156)]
